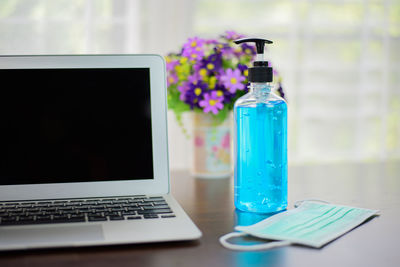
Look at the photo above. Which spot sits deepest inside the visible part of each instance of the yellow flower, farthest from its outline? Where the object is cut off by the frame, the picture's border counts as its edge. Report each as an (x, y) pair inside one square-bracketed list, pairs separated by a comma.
[(210, 66), (246, 72), (212, 82), (203, 72), (220, 93), (233, 81), (212, 102), (197, 91), (183, 60), (171, 79)]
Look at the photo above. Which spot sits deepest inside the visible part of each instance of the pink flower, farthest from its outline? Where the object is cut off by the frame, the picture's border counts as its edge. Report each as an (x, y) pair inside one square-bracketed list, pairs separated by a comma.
[(211, 102), (226, 141), (198, 141)]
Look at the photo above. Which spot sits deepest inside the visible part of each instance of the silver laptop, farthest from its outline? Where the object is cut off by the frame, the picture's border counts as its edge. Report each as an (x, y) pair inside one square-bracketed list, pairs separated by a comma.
[(84, 155)]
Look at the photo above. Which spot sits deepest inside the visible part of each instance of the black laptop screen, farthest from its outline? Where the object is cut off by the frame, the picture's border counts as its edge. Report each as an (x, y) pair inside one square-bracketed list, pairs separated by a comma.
[(75, 125)]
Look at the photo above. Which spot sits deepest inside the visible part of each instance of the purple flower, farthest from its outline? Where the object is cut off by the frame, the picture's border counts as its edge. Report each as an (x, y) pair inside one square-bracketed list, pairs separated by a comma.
[(193, 49), (232, 79), (223, 92), (183, 89), (171, 64), (211, 42), (248, 49), (210, 65), (227, 51), (194, 78), (172, 79), (243, 69), (194, 93), (232, 35), (211, 102), (213, 62)]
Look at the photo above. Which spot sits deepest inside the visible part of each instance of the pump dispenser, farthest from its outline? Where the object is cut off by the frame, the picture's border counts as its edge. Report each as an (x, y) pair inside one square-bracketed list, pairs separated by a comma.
[(260, 73), (260, 141)]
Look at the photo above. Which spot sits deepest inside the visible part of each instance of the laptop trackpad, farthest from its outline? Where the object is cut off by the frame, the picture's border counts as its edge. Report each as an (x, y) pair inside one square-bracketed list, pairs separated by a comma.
[(61, 235)]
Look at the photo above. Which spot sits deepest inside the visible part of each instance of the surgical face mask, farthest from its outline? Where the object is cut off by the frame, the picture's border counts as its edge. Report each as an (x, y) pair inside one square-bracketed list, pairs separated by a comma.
[(312, 224)]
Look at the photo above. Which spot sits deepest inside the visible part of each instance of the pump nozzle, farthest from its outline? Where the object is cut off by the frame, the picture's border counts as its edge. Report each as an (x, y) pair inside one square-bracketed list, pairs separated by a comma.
[(260, 43), (260, 72)]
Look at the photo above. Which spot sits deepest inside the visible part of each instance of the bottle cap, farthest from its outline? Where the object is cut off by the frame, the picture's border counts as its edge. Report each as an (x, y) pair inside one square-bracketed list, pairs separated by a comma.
[(260, 72)]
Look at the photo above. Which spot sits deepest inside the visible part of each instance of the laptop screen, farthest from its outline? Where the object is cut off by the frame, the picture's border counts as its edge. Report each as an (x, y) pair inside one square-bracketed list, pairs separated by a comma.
[(75, 125)]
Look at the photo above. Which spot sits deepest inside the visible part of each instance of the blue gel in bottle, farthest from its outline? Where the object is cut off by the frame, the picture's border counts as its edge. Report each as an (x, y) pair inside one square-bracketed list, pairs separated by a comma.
[(260, 144)]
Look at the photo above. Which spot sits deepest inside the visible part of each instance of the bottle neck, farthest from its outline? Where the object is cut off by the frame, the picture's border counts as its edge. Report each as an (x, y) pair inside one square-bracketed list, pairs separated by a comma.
[(260, 88)]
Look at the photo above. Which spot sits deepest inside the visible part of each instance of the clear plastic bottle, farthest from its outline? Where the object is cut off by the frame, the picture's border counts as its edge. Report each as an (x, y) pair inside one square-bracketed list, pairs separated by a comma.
[(260, 144)]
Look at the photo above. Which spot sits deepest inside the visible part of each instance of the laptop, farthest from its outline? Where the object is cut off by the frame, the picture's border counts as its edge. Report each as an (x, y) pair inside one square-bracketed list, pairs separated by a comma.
[(84, 155)]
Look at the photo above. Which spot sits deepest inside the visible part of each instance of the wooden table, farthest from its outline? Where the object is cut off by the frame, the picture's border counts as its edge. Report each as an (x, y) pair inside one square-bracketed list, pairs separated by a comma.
[(210, 204)]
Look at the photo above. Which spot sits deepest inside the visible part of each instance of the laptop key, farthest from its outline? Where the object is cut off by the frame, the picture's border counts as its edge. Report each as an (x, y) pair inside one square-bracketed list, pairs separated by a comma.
[(25, 219), (134, 217), (144, 204), (65, 208), (124, 213), (150, 216), (116, 218), (114, 205), (7, 221), (117, 209), (156, 203), (60, 218), (43, 218), (111, 213), (34, 213), (168, 216), (155, 211), (106, 202), (77, 218), (120, 201), (156, 207), (133, 208)]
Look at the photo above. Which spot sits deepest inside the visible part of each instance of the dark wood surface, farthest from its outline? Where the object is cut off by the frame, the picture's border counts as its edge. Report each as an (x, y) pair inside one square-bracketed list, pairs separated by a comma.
[(210, 205)]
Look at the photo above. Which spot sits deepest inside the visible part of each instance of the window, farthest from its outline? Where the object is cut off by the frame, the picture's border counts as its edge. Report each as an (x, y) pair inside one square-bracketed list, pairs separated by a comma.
[(340, 65)]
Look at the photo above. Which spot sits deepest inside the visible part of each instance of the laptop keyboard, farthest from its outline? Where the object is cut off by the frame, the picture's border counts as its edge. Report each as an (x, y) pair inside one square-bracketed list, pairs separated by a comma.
[(83, 210)]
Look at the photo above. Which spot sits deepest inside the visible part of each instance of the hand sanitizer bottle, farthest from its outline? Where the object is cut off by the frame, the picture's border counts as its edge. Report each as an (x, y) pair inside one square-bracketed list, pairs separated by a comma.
[(260, 141)]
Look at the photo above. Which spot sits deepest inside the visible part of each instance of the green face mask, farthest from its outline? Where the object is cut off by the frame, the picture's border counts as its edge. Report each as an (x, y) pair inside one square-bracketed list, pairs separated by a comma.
[(313, 224)]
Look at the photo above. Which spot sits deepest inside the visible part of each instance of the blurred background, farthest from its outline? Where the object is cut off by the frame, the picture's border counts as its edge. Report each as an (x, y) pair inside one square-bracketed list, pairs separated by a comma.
[(339, 59)]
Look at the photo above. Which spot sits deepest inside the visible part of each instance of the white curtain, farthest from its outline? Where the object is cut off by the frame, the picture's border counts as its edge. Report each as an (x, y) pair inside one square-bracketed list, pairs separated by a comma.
[(340, 60)]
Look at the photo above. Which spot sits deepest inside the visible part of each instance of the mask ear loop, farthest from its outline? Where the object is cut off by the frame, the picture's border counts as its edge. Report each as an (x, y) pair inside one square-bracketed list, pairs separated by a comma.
[(299, 202), (223, 240)]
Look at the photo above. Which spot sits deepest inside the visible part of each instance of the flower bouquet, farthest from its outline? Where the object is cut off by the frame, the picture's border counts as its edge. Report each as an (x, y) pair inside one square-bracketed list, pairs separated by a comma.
[(208, 75)]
